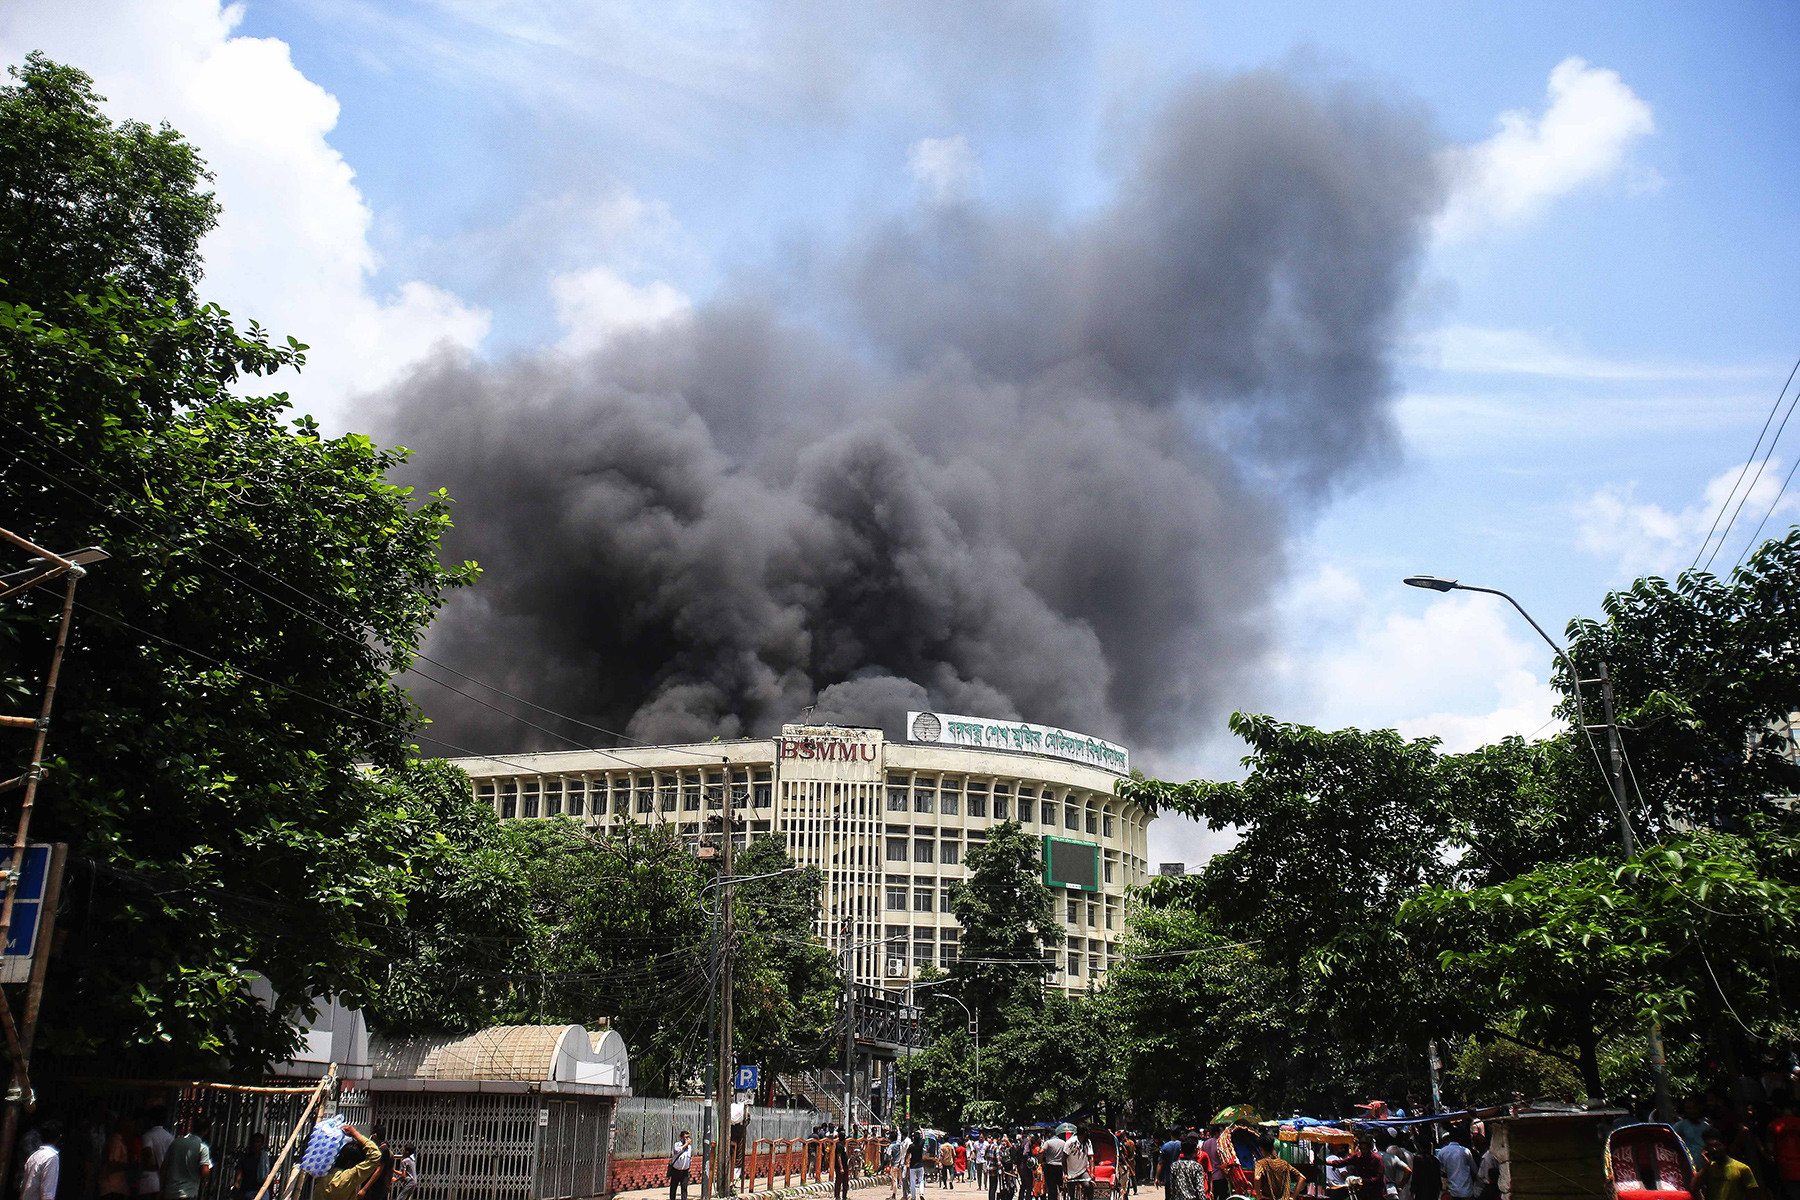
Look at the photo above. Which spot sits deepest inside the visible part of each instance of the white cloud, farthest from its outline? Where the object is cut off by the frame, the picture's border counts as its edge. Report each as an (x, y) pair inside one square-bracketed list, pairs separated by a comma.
[(596, 304), (1589, 121), (1468, 350), (292, 248), (944, 168), (1642, 537), (1456, 666)]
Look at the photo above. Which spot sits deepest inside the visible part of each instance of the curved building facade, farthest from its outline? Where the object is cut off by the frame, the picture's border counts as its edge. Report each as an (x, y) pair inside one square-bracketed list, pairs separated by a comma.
[(889, 824)]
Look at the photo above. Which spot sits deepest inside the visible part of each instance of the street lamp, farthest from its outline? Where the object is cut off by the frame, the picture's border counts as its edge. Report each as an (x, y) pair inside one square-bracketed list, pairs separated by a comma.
[(910, 987), (1615, 781), (975, 1029)]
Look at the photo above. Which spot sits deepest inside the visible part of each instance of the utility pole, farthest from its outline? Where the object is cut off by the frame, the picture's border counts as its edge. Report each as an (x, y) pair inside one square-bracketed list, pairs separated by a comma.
[(42, 567), (727, 1066), (1616, 756), (1665, 1107)]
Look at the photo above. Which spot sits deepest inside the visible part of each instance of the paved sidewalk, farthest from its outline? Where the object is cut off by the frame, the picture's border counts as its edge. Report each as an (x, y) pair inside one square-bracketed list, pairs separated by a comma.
[(862, 1188)]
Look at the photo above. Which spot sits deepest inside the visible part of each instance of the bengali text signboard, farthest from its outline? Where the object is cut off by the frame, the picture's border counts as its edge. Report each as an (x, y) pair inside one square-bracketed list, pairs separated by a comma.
[(979, 732)]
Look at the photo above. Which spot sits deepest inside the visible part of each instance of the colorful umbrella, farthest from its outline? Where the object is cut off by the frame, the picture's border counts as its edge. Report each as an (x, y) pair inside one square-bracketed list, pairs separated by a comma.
[(1237, 1112)]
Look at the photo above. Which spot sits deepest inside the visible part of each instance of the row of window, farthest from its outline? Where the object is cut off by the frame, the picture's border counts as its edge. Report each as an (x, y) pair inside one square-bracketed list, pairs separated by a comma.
[(694, 791), (658, 791), (946, 795)]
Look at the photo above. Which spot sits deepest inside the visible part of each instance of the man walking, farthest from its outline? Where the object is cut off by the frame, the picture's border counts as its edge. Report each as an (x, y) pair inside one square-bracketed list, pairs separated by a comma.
[(681, 1165), (44, 1168), (1078, 1170), (1056, 1154), (188, 1162), (1166, 1156), (915, 1163), (153, 1145), (841, 1161), (1458, 1166)]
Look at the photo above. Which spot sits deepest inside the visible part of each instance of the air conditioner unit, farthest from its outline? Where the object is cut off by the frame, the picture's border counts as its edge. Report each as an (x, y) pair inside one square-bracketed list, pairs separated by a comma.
[(897, 968)]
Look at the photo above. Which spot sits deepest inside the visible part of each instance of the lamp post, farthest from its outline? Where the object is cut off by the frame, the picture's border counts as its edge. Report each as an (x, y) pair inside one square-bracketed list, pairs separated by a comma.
[(1615, 778), (910, 986), (718, 1016)]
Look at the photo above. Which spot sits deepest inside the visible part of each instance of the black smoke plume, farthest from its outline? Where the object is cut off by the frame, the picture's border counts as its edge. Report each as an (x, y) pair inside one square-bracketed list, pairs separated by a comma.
[(1020, 467)]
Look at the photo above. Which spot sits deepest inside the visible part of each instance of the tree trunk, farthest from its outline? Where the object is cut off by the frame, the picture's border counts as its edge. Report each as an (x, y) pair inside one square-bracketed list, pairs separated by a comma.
[(1588, 1052)]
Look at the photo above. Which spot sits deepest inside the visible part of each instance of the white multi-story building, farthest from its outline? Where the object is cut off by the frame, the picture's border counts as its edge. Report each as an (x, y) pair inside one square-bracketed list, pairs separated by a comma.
[(888, 823)]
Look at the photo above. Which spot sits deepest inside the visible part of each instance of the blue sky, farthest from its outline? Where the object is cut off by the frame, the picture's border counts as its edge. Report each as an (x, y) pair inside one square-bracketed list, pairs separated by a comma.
[(1597, 340)]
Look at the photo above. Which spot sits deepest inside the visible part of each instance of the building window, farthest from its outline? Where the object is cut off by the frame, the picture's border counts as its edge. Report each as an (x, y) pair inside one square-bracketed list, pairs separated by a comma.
[(1109, 916), (896, 849), (690, 794), (646, 798), (1047, 813), (1106, 823), (952, 803), (668, 794), (977, 802), (1093, 915), (529, 802), (922, 850), (1093, 821), (577, 797), (896, 898), (1071, 817), (1074, 966), (950, 853), (553, 798), (763, 790), (1107, 868), (896, 799), (923, 899), (924, 800), (1074, 912), (509, 800), (946, 954), (999, 808)]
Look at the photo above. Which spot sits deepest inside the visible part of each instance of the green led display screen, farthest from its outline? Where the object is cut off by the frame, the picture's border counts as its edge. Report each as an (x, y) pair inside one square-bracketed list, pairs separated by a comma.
[(1071, 864)]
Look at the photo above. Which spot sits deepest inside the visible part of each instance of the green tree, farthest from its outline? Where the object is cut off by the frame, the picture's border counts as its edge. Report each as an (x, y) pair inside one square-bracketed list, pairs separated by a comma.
[(1692, 932), (1008, 920), (1706, 679), (469, 945), (622, 936), (232, 670)]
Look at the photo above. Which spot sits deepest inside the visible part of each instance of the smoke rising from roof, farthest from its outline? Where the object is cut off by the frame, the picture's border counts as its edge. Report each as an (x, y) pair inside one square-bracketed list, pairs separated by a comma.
[(1030, 469)]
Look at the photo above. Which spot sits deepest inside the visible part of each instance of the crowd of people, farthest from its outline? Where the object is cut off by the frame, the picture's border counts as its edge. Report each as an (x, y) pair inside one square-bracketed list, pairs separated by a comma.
[(1740, 1151), (135, 1156), (1009, 1164)]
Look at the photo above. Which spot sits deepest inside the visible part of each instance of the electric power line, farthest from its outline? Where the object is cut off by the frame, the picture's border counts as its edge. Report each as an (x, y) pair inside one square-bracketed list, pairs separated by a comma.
[(1726, 503), (1751, 544), (1761, 467)]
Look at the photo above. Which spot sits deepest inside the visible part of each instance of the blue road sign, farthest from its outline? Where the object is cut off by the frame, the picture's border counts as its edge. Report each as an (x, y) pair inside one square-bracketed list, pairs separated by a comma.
[(746, 1079), (21, 937)]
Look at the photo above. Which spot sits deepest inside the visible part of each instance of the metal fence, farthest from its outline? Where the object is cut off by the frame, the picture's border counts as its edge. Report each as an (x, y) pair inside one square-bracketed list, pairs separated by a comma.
[(474, 1146), (93, 1110), (648, 1128)]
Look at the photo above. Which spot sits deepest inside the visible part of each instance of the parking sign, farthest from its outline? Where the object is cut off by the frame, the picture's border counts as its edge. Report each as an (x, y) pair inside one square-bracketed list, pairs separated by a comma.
[(746, 1079)]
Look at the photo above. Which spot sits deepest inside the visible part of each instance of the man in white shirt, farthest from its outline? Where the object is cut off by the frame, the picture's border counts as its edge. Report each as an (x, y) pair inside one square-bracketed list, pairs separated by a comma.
[(44, 1165), (1078, 1157), (155, 1143)]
